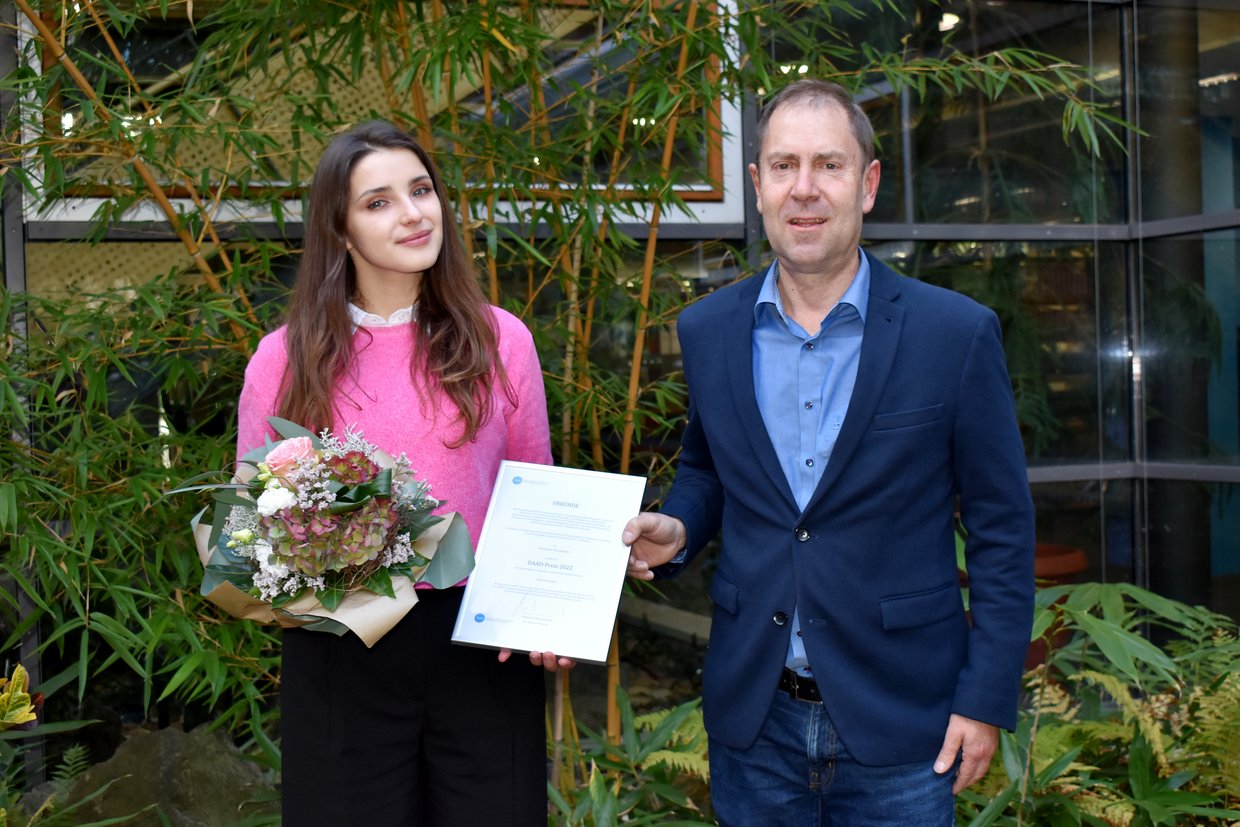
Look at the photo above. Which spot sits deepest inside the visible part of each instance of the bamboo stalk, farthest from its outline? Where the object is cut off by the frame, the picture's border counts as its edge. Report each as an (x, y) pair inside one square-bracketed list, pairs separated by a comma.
[(613, 178), (626, 442), (489, 116), (447, 89), (131, 152), (208, 223), (596, 430), (639, 342), (418, 98)]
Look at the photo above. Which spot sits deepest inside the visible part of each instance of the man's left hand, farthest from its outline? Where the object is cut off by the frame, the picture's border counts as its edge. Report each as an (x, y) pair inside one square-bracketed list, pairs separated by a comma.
[(975, 742)]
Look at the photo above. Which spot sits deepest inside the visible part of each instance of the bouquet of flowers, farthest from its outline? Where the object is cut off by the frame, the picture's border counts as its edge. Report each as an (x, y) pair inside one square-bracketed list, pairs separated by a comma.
[(326, 532)]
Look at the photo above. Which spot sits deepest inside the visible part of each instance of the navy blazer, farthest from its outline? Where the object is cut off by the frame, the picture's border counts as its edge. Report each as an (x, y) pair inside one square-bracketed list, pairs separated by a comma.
[(871, 562)]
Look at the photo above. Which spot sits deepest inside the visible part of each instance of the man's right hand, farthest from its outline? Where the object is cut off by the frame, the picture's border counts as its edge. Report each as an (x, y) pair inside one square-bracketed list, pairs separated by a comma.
[(653, 539)]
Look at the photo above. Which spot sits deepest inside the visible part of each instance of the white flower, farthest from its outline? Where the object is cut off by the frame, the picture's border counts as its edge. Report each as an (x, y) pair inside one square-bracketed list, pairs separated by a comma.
[(262, 553), (269, 564), (275, 498)]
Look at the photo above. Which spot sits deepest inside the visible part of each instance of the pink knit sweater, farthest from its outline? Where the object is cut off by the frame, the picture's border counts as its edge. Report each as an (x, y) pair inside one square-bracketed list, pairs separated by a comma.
[(379, 399)]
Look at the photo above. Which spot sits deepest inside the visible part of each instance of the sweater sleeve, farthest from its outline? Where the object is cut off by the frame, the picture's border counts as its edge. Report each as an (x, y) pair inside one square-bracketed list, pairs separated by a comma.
[(260, 393), (529, 434)]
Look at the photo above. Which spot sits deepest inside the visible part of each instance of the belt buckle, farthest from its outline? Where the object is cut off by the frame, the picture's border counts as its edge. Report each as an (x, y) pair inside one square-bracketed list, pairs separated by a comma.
[(795, 688)]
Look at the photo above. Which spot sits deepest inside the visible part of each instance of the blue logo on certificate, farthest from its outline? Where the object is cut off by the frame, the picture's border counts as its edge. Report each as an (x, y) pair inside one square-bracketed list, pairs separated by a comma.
[(478, 618), (516, 480)]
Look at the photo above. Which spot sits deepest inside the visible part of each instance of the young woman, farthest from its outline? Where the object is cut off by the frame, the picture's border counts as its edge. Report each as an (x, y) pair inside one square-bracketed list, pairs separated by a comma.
[(388, 332)]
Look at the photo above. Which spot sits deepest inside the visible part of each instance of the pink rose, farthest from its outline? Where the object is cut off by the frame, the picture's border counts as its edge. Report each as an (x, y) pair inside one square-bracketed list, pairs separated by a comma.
[(285, 456)]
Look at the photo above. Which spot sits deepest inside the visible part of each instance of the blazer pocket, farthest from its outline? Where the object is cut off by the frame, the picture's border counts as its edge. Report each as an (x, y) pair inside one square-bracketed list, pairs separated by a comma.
[(908, 419), (724, 594), (908, 611)]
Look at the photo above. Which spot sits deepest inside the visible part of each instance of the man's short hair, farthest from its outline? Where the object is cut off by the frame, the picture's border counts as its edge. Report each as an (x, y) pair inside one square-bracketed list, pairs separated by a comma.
[(820, 93)]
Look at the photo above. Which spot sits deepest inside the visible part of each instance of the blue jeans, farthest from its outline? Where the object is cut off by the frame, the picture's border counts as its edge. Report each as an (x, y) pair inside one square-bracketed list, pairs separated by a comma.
[(799, 774)]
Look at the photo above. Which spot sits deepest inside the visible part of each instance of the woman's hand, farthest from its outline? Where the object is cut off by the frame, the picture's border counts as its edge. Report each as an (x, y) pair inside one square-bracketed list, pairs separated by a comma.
[(547, 660)]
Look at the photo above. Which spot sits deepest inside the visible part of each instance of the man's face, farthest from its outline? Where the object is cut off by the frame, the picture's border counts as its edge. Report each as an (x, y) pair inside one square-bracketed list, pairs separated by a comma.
[(813, 187)]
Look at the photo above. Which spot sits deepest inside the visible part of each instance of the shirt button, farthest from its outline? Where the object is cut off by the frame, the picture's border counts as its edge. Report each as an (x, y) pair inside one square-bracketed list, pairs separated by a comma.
[(780, 618), (809, 345), (809, 405), (802, 534), (810, 463)]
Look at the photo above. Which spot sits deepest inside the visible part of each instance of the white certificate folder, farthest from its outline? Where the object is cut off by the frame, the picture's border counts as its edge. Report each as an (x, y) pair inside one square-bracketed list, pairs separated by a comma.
[(550, 564)]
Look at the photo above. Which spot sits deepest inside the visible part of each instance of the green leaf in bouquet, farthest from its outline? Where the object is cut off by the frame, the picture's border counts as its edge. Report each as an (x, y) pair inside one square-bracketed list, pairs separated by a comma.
[(420, 523), (411, 568), (453, 560), (220, 553), (350, 498), (346, 506), (330, 596), (238, 574), (256, 455), (381, 583), (381, 485), (291, 430), (192, 484), (232, 498), (222, 568)]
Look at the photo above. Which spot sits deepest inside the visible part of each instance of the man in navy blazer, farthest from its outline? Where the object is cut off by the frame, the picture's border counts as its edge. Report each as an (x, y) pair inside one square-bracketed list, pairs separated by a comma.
[(840, 415)]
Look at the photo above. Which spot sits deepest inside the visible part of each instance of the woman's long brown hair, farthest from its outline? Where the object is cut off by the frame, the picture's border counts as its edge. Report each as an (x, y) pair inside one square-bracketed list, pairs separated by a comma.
[(455, 342)]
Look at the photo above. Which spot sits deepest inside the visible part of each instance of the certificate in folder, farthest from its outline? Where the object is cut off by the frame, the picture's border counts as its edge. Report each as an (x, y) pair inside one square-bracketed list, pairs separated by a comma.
[(550, 564)]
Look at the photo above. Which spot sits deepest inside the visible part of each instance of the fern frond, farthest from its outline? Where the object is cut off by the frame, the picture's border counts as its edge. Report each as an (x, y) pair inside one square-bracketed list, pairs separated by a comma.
[(1048, 697), (1134, 711), (690, 763), (1216, 735), (74, 762), (690, 733), (1107, 805), (650, 720)]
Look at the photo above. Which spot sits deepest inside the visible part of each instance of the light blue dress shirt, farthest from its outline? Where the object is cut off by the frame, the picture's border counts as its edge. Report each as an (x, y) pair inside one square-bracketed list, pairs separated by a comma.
[(804, 383)]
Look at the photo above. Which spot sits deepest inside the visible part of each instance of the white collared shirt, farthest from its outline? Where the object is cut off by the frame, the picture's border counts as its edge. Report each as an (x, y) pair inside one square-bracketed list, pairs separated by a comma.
[(361, 318)]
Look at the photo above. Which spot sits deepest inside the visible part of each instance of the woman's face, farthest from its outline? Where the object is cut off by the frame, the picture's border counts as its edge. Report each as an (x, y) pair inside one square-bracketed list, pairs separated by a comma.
[(395, 221)]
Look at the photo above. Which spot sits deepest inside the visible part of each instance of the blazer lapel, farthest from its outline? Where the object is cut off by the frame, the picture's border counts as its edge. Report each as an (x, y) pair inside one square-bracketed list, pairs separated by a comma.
[(883, 322), (737, 342)]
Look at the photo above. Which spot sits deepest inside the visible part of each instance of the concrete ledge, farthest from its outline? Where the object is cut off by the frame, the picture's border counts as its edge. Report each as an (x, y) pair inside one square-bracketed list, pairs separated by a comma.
[(668, 620)]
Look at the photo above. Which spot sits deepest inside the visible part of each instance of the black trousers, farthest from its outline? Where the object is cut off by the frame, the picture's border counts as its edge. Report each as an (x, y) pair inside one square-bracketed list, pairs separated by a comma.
[(414, 731)]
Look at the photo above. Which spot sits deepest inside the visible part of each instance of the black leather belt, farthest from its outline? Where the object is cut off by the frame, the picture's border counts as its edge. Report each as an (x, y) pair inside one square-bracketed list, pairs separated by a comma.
[(799, 687)]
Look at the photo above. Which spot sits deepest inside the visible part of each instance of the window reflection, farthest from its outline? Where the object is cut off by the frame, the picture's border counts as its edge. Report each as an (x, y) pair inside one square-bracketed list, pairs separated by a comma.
[(1188, 82), (1063, 314), (1194, 543), (1095, 516), (1190, 316), (954, 157)]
